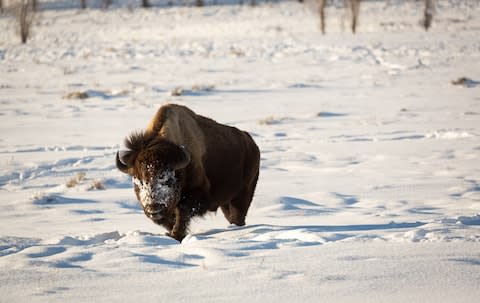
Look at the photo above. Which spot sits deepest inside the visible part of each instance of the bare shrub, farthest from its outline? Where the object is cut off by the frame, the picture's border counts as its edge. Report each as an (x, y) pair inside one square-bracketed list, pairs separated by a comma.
[(268, 121), (353, 6), (177, 91), (194, 91), (354, 10), (25, 15), (271, 120), (76, 95), (97, 185), (428, 14), (321, 13), (465, 82), (75, 180), (106, 3)]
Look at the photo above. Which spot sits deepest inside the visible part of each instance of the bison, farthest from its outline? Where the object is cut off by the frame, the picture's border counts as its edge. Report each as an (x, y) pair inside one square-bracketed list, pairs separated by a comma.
[(184, 165)]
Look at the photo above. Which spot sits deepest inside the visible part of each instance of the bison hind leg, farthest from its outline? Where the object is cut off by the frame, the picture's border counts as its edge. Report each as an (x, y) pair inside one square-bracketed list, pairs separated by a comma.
[(232, 214), (238, 207), (236, 211)]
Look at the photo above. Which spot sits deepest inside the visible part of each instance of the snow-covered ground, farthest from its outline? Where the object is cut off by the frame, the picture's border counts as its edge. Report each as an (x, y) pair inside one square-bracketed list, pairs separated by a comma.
[(370, 177)]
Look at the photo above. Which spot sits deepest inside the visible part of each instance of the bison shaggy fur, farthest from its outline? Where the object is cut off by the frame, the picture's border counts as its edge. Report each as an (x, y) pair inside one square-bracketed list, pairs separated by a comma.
[(184, 165)]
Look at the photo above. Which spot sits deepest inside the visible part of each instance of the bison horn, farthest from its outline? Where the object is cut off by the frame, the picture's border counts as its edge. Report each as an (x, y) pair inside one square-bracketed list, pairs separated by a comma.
[(120, 165), (186, 159)]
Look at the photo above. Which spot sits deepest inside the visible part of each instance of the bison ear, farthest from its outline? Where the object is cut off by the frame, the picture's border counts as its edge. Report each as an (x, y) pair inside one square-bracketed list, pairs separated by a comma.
[(122, 166), (185, 159)]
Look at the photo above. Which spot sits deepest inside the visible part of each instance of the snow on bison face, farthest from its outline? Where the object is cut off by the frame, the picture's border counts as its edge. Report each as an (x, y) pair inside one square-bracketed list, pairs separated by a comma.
[(157, 189), (156, 166)]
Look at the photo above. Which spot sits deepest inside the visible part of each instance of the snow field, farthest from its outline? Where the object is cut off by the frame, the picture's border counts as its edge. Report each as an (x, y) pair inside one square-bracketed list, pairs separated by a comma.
[(369, 186)]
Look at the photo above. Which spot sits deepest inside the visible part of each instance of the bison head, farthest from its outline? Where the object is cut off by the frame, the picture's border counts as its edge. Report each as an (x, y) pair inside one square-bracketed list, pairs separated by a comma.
[(154, 164)]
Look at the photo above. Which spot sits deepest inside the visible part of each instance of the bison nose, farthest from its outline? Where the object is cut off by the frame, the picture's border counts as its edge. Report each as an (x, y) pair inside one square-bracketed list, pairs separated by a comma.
[(155, 208)]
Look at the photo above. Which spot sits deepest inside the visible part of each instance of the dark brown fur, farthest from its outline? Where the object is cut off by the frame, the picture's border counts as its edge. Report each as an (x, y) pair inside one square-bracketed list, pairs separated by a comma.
[(222, 170)]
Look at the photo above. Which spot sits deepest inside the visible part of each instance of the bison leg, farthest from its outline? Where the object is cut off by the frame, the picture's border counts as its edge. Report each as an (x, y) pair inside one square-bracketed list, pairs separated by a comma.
[(168, 223), (179, 230), (226, 211), (236, 211), (192, 204)]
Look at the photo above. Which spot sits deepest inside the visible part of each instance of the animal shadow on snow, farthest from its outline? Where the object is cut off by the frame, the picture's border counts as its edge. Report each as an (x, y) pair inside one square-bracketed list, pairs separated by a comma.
[(297, 206), (269, 236)]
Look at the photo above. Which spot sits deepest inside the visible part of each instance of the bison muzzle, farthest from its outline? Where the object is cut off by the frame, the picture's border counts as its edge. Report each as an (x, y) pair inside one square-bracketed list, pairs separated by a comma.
[(184, 165)]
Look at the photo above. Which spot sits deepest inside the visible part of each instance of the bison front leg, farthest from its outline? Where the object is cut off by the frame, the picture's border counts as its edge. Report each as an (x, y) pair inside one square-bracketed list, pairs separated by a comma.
[(191, 204), (168, 223), (179, 229)]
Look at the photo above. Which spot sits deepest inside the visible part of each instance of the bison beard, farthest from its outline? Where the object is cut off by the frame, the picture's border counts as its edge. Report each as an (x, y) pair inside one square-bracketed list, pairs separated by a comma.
[(184, 165)]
